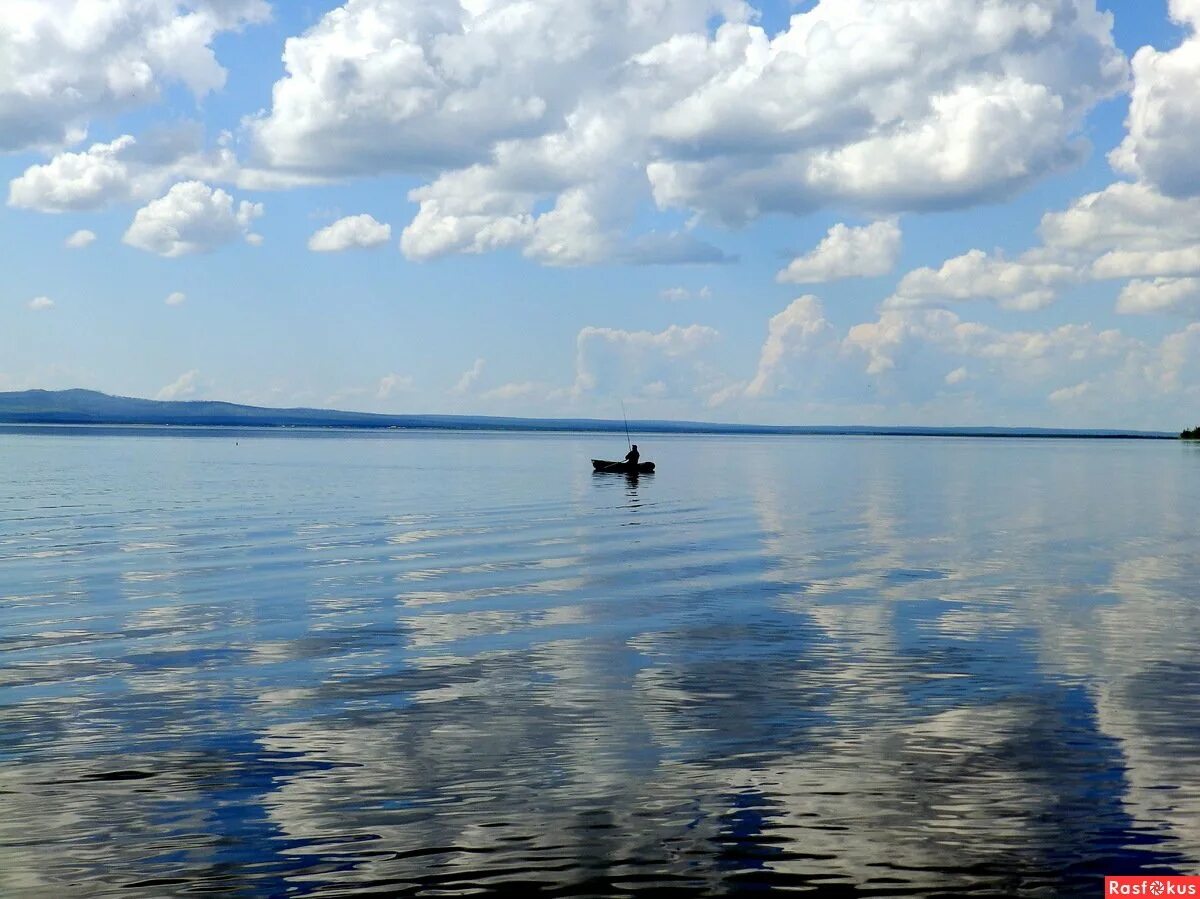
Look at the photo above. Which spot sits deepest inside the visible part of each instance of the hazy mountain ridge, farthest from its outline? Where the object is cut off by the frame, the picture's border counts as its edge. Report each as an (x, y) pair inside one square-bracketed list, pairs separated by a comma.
[(80, 406)]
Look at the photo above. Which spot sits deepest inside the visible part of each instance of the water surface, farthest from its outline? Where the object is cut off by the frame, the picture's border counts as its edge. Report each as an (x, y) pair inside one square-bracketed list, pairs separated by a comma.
[(254, 664)]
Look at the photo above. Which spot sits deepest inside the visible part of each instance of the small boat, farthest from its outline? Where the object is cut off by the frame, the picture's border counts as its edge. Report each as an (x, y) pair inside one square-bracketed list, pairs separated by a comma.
[(622, 467)]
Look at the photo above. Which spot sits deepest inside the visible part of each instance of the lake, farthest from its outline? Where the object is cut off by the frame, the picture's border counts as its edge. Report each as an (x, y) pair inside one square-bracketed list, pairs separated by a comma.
[(421, 664)]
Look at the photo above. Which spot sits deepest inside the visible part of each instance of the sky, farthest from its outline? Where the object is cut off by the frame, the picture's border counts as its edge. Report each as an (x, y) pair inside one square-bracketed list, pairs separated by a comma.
[(926, 212)]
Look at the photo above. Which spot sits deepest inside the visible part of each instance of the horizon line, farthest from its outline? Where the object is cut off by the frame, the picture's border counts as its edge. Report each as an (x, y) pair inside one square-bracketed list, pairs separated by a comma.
[(291, 417)]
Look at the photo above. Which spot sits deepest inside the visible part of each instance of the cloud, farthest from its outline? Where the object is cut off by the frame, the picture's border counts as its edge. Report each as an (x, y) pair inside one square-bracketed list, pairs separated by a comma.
[(393, 383), (1164, 113), (919, 365), (1160, 295), (847, 253), (469, 377), (905, 347), (794, 332), (360, 231), (136, 169), (957, 376), (181, 388), (1123, 216), (575, 231), (1127, 230), (75, 181), (65, 62), (549, 124), (1134, 263), (475, 211), (466, 212), (80, 239), (1177, 366), (176, 299), (406, 86), (41, 304), (898, 367), (1021, 285), (906, 366), (902, 105), (1070, 394), (676, 294), (671, 362), (191, 218)]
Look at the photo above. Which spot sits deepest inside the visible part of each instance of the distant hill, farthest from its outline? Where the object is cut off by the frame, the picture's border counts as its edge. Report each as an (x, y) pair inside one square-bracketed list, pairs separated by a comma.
[(88, 407)]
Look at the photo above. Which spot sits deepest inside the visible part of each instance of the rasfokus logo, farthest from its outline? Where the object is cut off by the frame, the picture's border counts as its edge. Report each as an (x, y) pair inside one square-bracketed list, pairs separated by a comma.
[(1141, 885)]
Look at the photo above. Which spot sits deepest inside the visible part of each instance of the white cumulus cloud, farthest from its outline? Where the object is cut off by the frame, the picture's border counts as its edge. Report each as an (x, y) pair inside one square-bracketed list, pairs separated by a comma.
[(676, 294), (957, 376), (80, 239), (793, 333), (407, 84), (551, 122), (615, 362), (191, 218), (1160, 295), (40, 304), (910, 104), (76, 181), (1029, 356), (178, 298), (65, 62), (393, 383), (921, 365), (136, 169), (1069, 394), (1164, 113), (181, 388), (847, 253), (1128, 230), (361, 231), (469, 377), (1021, 285)]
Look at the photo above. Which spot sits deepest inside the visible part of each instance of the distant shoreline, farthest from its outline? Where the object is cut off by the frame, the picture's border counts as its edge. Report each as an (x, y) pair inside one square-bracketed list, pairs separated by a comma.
[(51, 427), (90, 409)]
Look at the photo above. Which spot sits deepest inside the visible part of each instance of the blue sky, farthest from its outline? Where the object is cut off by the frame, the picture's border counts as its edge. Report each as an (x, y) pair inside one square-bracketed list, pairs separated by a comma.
[(911, 211)]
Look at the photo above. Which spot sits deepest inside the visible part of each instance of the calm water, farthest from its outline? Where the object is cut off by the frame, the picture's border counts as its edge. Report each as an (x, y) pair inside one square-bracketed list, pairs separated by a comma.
[(443, 664)]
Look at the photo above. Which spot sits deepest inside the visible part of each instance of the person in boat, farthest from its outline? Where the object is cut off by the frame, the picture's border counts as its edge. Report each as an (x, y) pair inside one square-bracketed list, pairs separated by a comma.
[(632, 456)]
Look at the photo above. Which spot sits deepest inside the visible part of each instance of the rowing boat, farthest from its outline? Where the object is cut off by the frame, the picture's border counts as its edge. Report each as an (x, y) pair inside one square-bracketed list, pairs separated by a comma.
[(622, 467)]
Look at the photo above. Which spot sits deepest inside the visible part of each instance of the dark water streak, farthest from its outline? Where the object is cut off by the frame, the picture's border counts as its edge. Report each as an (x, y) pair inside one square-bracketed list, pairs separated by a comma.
[(443, 664)]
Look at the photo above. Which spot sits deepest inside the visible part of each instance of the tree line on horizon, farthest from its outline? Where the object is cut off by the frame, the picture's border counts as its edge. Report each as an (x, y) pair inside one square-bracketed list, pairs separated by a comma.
[(1190, 433)]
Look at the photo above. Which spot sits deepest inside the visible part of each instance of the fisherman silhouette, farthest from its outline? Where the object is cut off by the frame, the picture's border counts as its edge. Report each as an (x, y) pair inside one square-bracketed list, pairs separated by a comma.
[(633, 455)]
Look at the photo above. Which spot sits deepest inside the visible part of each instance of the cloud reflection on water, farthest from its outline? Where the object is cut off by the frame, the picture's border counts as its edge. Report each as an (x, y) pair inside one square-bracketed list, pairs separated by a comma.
[(947, 667)]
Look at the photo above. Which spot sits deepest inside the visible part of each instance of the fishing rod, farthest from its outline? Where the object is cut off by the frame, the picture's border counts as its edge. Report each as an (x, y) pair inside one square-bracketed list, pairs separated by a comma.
[(626, 417)]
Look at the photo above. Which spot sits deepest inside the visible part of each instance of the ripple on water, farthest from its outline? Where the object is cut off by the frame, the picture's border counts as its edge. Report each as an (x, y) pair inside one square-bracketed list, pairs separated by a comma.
[(328, 667)]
